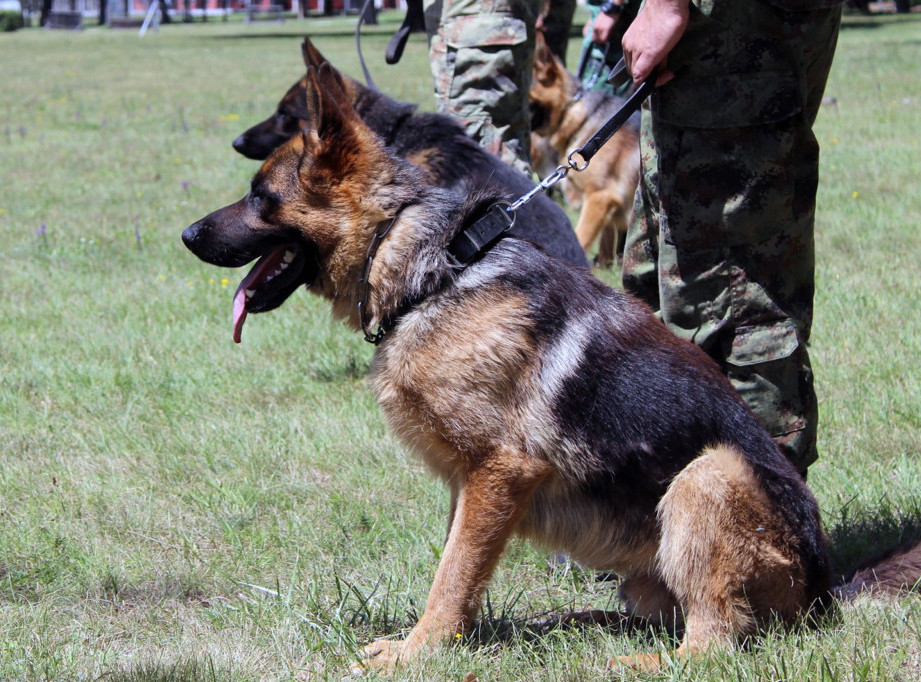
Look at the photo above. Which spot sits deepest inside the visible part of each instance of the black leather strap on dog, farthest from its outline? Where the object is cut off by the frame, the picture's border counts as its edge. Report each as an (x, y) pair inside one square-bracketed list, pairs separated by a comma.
[(481, 234), (613, 124), (413, 21)]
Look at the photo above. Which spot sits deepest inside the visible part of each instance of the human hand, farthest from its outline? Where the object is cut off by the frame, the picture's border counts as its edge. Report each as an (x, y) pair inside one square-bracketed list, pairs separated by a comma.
[(601, 29), (652, 35)]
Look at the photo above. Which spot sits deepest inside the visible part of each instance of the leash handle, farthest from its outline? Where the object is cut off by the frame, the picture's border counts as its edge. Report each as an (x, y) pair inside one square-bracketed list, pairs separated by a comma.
[(611, 126)]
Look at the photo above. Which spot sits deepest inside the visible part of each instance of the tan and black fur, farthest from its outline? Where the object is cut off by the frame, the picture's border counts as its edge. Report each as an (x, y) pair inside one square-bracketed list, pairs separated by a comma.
[(565, 118), (552, 406), (446, 154)]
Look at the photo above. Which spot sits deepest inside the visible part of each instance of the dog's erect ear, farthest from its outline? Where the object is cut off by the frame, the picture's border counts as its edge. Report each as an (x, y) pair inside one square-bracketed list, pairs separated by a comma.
[(311, 54), (546, 68), (334, 97), (331, 111), (311, 95)]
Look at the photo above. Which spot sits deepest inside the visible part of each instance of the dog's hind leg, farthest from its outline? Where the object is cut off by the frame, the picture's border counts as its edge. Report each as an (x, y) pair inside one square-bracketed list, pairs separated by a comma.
[(725, 553), (492, 497)]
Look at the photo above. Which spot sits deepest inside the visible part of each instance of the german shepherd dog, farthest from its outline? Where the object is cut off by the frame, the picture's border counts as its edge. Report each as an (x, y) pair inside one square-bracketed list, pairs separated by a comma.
[(566, 117), (551, 405), (436, 143)]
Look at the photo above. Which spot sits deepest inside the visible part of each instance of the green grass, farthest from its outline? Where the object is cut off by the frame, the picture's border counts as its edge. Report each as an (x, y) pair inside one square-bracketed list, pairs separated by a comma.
[(176, 507)]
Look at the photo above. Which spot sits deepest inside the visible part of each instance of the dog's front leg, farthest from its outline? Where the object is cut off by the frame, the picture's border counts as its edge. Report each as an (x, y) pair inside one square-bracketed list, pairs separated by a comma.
[(491, 500)]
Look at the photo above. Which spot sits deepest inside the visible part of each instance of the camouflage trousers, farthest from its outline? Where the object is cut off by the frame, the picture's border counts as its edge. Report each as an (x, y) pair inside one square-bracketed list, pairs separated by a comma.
[(481, 53), (735, 276), (722, 247)]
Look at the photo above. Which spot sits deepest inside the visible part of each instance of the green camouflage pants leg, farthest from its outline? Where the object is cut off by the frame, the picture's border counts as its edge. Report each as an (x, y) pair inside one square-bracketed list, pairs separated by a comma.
[(736, 277), (481, 53), (721, 244)]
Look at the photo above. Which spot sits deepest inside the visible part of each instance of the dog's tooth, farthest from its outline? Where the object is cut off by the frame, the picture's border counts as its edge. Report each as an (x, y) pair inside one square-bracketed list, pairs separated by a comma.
[(289, 256), (282, 266), (249, 293)]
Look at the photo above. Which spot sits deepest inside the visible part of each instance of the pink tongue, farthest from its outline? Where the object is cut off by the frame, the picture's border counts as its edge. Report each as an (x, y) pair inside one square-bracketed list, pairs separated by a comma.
[(239, 314), (262, 271)]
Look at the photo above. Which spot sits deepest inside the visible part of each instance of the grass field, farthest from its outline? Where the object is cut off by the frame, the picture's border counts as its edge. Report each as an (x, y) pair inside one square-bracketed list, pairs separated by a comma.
[(176, 507)]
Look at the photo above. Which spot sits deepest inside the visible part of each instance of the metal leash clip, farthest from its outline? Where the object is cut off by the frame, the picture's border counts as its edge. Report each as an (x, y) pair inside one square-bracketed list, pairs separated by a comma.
[(579, 158)]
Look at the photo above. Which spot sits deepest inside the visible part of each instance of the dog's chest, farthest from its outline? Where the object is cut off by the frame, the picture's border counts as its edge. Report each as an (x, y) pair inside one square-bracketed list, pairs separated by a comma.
[(451, 379)]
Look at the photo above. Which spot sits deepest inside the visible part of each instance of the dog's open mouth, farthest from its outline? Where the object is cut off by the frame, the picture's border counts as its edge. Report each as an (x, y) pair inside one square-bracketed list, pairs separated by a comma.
[(272, 279)]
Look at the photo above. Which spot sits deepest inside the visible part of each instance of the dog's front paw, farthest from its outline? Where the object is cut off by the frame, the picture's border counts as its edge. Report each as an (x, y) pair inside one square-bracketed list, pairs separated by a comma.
[(382, 655)]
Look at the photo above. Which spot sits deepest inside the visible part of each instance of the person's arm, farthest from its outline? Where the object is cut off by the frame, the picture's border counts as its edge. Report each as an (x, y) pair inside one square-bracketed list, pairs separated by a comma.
[(606, 20), (655, 31)]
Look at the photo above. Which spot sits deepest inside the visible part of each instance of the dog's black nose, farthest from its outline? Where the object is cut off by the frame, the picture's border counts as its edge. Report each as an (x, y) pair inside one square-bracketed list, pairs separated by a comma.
[(193, 233), (239, 144)]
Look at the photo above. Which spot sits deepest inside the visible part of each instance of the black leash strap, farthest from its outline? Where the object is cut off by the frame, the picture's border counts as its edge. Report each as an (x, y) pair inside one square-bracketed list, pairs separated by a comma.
[(613, 124), (595, 142), (480, 235), (413, 21)]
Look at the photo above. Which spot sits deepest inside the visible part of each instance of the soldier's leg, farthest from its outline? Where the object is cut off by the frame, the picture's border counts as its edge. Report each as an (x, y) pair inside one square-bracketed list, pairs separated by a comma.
[(481, 53), (736, 263), (641, 251)]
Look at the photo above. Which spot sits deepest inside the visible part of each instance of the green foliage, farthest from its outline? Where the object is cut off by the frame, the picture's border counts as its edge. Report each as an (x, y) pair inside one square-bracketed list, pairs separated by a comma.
[(175, 507), (10, 20)]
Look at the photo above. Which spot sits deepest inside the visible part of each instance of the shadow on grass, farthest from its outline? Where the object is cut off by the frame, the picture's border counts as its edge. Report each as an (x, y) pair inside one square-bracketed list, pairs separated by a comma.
[(861, 535), (503, 630), (339, 369)]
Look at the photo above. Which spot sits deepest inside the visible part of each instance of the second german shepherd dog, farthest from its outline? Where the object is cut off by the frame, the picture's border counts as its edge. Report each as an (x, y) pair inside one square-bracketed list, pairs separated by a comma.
[(552, 406), (565, 116), (436, 143)]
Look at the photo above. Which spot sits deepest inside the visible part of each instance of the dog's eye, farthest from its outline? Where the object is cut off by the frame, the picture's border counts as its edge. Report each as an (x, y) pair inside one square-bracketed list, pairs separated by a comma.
[(262, 202)]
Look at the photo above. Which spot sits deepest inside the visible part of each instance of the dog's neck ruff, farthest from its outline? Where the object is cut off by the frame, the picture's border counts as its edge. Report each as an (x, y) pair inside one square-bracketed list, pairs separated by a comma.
[(471, 242)]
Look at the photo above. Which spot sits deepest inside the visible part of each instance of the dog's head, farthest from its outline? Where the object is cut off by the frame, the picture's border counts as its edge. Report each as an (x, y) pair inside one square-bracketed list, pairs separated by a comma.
[(290, 116), (309, 212), (549, 93), (263, 138)]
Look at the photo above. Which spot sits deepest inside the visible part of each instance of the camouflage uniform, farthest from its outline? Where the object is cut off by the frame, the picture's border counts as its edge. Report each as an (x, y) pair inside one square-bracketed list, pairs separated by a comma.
[(482, 52), (722, 239)]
